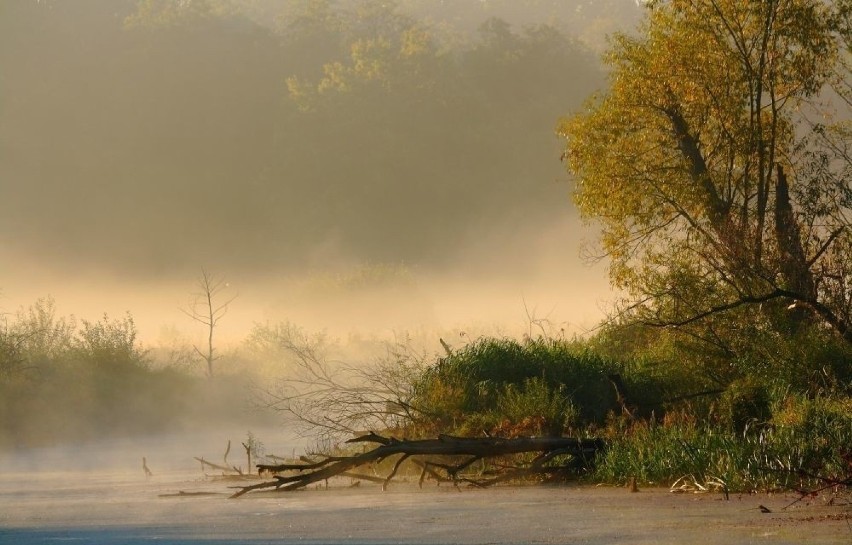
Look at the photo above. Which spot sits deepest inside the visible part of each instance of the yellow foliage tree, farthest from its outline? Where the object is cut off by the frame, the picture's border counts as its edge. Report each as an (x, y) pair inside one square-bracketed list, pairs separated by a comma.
[(714, 165)]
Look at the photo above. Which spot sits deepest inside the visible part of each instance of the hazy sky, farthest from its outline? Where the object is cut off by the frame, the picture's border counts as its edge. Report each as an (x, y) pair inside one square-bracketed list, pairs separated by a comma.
[(138, 145)]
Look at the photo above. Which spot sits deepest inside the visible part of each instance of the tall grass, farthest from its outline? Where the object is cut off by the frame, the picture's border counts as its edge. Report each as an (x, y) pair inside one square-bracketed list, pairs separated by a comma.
[(806, 439)]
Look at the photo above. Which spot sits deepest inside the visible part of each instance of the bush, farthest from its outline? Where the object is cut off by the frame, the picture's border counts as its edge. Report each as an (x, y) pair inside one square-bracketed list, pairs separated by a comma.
[(509, 380)]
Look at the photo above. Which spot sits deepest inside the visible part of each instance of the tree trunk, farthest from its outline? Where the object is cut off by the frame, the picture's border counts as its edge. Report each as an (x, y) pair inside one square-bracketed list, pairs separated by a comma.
[(794, 265)]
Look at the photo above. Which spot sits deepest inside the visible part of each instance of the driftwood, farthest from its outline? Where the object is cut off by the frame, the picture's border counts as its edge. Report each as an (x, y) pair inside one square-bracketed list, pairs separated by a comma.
[(470, 449), (215, 466), (184, 494)]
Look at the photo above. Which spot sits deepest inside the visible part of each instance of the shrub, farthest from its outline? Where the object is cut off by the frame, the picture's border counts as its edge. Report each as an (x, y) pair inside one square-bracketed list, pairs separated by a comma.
[(507, 379)]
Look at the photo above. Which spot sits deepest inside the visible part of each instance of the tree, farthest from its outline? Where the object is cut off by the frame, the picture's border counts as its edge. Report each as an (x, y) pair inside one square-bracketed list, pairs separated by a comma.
[(11, 357), (110, 345), (207, 306), (331, 398), (716, 167), (36, 338)]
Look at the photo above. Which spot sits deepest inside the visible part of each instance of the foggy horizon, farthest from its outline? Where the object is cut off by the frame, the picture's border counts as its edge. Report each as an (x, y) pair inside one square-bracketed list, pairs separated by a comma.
[(425, 271), (142, 141)]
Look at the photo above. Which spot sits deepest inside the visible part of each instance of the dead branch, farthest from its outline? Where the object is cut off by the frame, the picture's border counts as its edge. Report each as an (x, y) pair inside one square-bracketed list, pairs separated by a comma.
[(212, 465), (472, 449)]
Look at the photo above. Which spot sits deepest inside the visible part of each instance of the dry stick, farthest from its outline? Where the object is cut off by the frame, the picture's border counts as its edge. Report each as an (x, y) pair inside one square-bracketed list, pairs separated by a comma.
[(458, 469), (422, 476), (305, 479), (454, 470), (425, 466), (275, 468), (394, 470), (545, 457), (211, 464), (832, 484), (248, 455)]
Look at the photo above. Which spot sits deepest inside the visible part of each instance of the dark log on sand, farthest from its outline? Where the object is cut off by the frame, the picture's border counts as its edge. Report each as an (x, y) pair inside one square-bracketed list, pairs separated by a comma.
[(183, 494), (474, 449)]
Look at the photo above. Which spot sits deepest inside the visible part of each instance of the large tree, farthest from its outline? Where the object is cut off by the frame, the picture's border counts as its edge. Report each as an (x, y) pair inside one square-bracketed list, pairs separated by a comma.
[(716, 164)]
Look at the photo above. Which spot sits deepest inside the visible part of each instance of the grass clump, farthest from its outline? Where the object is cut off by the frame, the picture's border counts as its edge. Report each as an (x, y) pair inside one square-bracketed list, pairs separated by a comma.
[(804, 441)]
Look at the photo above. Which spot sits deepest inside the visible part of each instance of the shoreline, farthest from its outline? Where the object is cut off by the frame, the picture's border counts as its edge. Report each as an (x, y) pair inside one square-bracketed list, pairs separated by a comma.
[(130, 509)]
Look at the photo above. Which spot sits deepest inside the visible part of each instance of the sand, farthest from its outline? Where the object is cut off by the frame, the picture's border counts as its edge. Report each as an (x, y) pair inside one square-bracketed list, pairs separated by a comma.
[(102, 496), (125, 507)]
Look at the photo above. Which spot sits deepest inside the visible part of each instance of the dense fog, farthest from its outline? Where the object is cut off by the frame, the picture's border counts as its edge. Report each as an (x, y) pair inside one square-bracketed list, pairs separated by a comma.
[(280, 142)]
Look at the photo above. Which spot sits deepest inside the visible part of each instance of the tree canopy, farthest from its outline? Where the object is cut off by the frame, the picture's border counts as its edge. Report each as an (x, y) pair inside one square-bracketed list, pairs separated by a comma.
[(259, 133), (717, 164)]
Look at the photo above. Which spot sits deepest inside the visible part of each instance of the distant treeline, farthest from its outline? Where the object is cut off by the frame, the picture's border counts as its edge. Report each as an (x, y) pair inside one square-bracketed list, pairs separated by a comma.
[(64, 380), (153, 133)]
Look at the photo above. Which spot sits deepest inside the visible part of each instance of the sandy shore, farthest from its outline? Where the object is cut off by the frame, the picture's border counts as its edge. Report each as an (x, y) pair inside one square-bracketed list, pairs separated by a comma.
[(127, 508)]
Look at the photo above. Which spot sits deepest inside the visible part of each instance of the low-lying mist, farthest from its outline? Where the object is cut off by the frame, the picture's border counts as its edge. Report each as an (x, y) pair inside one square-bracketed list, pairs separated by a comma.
[(499, 282), (135, 368), (367, 171)]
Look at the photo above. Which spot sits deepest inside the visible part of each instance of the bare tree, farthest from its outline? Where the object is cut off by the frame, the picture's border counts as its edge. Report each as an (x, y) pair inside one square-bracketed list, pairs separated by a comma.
[(207, 306), (331, 399)]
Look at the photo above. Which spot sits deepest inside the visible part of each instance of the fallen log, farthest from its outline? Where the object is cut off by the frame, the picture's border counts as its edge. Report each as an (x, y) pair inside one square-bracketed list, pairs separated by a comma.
[(184, 494), (472, 449)]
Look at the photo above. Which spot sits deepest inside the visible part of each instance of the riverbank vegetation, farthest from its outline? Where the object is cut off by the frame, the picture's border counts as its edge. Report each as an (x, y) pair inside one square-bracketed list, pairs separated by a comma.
[(661, 418), (715, 165)]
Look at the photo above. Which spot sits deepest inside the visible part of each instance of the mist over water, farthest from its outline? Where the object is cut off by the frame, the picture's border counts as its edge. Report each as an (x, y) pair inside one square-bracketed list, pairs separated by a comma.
[(142, 141), (367, 170), (544, 279)]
